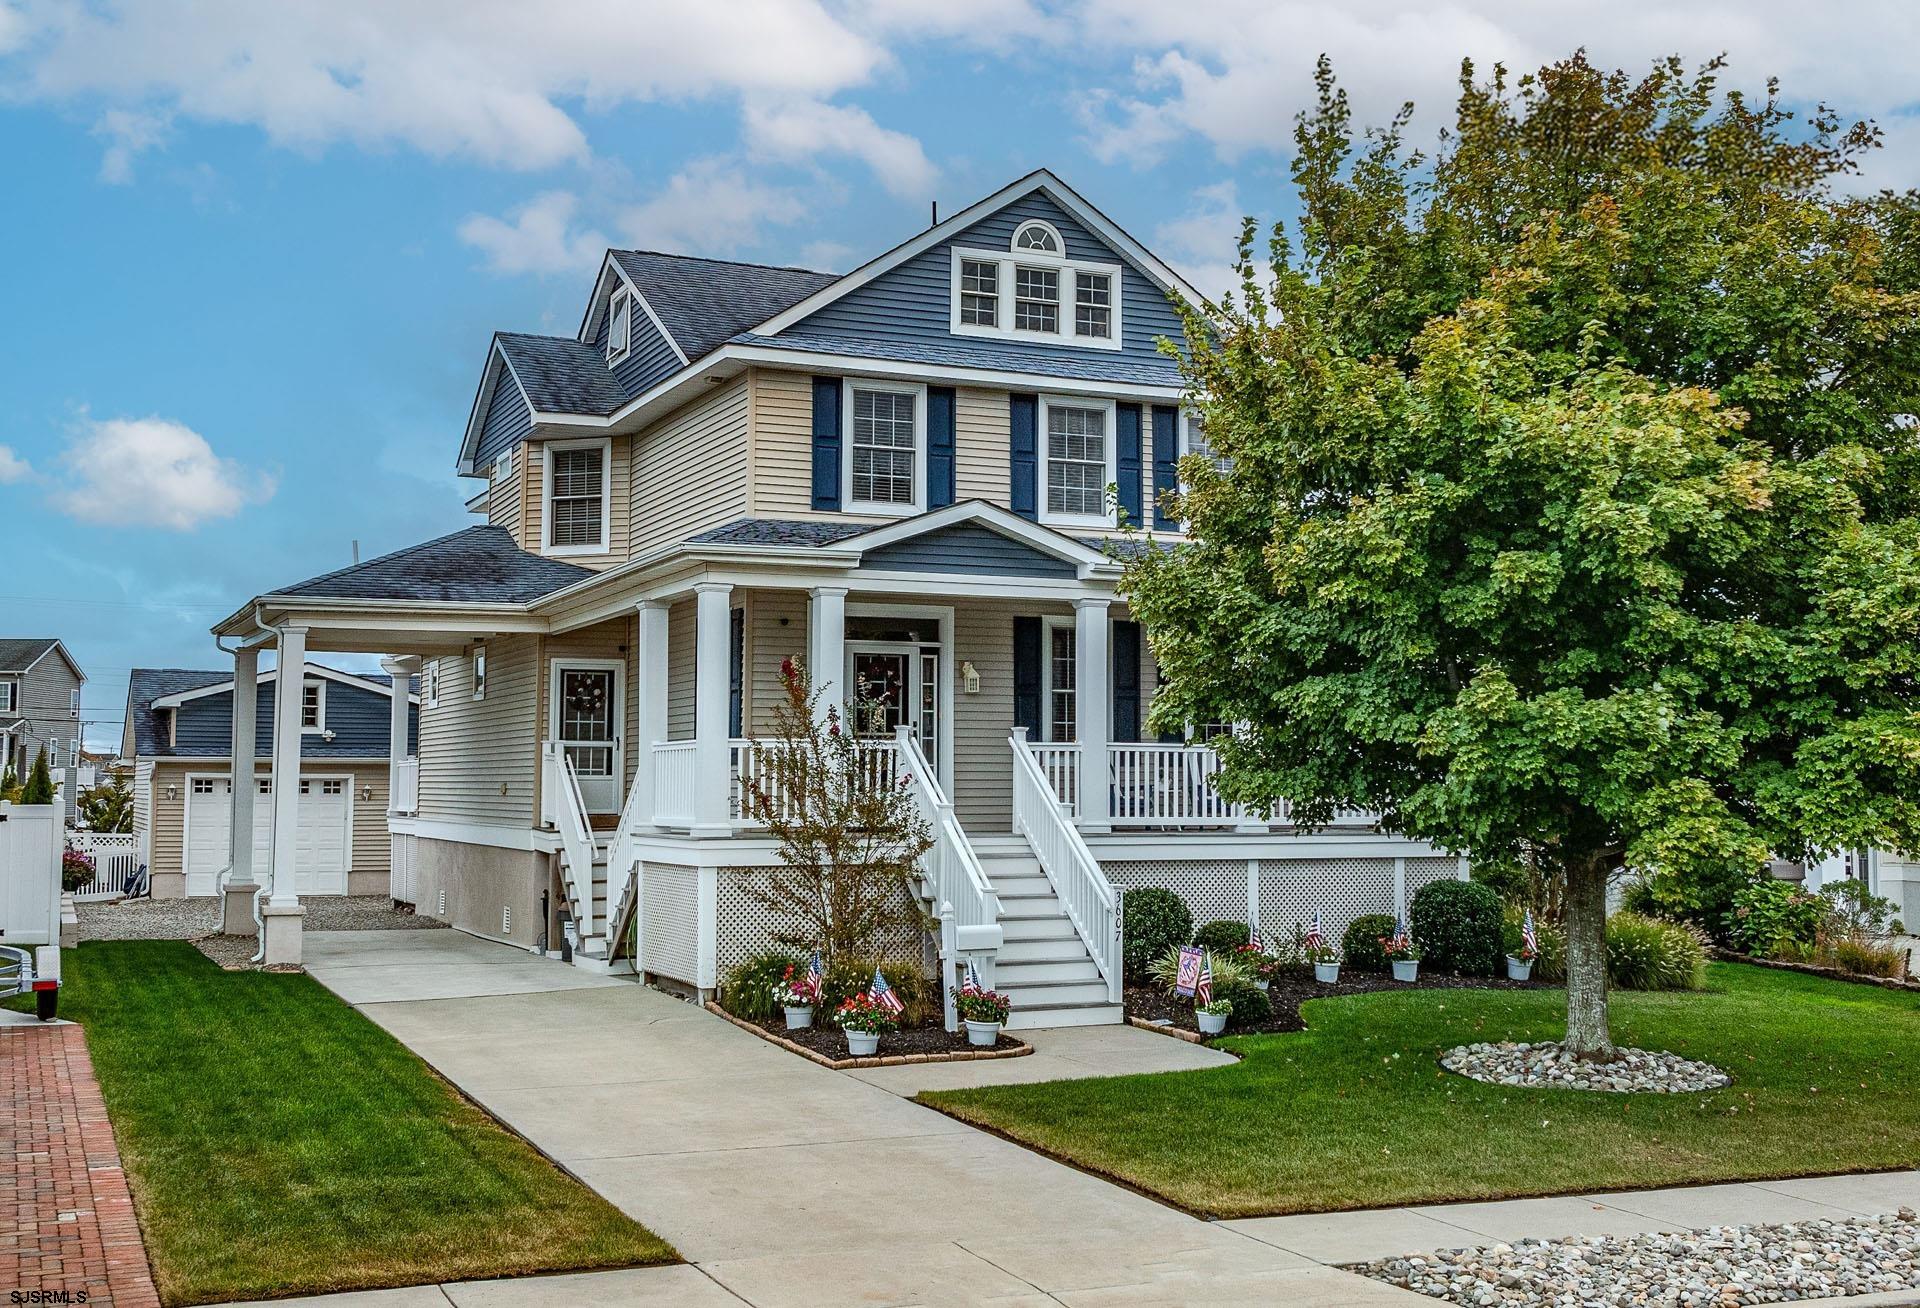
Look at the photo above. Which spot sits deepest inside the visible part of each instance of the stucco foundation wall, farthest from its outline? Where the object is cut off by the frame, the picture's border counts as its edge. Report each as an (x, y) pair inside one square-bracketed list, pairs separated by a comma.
[(490, 892)]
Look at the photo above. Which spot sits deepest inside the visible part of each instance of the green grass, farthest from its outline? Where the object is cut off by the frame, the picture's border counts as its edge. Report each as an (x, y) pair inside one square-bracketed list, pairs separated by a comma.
[(280, 1143), (1355, 1112)]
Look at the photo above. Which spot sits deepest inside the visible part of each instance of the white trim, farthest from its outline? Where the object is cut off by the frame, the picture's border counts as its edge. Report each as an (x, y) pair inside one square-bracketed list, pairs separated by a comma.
[(591, 322), (40, 658), (319, 726), (180, 697), (1066, 298), (1059, 249), (547, 450), (888, 508), (492, 835), (615, 355), (616, 717), (1050, 623), (11, 685), (477, 668), (1109, 519), (430, 682)]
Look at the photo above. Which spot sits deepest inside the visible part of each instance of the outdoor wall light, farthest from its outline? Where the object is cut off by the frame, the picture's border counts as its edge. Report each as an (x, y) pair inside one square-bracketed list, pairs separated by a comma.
[(366, 793), (173, 790), (970, 676)]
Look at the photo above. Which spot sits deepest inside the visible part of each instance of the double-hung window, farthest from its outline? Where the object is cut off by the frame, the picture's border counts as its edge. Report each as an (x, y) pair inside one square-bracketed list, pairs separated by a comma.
[(313, 706), (1079, 461), (885, 447), (578, 486), (1092, 304), (980, 293), (9, 697), (1036, 299), (619, 326), (1056, 297)]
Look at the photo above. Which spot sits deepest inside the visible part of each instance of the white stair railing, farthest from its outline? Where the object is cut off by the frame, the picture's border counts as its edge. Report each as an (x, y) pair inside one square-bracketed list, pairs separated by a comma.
[(1060, 765), (623, 861), (964, 900), (1089, 898), (563, 806)]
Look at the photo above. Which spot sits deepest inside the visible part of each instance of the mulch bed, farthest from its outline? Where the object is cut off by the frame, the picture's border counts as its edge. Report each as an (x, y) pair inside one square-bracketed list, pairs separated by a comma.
[(1287, 993), (826, 1044)]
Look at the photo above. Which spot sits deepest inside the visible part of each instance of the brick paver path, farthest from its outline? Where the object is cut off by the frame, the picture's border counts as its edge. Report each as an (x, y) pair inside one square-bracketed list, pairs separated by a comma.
[(69, 1221)]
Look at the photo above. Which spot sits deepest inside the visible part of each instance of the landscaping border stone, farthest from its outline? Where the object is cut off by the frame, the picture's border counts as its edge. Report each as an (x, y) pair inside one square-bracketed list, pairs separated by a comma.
[(1813, 969), (878, 1060)]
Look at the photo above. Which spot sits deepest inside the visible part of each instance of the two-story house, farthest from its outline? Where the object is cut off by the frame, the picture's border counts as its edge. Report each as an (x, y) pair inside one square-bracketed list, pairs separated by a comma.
[(178, 740), (913, 476), (40, 687)]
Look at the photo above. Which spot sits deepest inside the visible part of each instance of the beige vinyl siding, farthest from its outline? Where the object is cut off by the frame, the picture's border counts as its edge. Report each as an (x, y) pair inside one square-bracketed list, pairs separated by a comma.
[(479, 758), (982, 787), (618, 508), (982, 437), (506, 500), (680, 629), (615, 640), (167, 832), (783, 445), (691, 471), (768, 643)]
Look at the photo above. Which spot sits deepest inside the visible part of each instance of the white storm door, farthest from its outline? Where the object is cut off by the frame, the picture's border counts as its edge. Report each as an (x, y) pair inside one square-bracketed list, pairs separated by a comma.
[(587, 717)]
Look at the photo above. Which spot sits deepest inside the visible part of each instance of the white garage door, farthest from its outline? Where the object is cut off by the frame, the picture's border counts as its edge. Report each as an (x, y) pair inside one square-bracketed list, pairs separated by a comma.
[(326, 815)]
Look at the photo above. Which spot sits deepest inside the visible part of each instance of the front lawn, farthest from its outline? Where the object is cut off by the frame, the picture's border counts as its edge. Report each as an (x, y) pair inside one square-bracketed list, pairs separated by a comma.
[(280, 1143), (1355, 1112)]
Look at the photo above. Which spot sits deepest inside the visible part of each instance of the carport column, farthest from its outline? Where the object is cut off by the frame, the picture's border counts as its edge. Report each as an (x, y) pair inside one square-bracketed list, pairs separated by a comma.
[(827, 645), (650, 667), (280, 915), (712, 761), (399, 750), (238, 886), (1093, 713)]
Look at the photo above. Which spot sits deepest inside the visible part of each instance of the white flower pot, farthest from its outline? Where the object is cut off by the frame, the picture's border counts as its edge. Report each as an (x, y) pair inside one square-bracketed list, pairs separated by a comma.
[(1211, 1023), (863, 1043), (1519, 969), (1326, 973), (1406, 969), (1261, 984), (984, 1034), (799, 1019)]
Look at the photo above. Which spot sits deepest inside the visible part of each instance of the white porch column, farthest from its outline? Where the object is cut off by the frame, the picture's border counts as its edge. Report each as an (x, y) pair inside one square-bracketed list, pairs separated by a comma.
[(399, 725), (281, 914), (1093, 713), (650, 666), (712, 765), (239, 884), (827, 645)]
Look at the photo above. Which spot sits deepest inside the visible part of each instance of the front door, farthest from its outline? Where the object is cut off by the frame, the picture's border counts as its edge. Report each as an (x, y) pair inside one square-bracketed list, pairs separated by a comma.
[(881, 685), (586, 719)]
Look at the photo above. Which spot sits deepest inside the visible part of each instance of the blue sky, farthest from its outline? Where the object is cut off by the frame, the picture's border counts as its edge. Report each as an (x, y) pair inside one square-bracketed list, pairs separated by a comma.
[(258, 250)]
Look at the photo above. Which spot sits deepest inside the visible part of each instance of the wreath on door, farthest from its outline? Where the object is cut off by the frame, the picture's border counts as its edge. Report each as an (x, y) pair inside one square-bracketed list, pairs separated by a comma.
[(586, 696)]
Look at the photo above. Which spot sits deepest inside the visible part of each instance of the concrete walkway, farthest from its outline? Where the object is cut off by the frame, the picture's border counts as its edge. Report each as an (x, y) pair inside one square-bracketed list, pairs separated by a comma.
[(784, 1183)]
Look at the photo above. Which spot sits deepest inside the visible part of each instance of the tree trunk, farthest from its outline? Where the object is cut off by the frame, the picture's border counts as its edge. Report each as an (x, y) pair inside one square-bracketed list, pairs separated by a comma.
[(1586, 926)]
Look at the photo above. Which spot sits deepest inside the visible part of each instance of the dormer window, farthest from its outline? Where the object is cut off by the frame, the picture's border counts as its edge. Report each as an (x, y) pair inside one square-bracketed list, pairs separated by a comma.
[(1036, 299), (619, 325), (313, 707), (1037, 236), (1053, 297)]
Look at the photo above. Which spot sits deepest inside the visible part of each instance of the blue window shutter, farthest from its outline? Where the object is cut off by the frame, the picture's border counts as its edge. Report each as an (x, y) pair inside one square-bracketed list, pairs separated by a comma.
[(826, 442), (1127, 437), (939, 446), (1126, 679), (736, 674), (1026, 675), (1024, 419), (1166, 459)]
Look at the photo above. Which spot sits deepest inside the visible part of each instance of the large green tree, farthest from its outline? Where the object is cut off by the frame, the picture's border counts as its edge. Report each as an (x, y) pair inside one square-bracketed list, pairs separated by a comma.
[(1571, 503)]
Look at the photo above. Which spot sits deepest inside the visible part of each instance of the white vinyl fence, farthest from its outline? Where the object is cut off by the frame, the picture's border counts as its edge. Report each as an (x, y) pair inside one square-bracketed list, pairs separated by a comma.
[(114, 862)]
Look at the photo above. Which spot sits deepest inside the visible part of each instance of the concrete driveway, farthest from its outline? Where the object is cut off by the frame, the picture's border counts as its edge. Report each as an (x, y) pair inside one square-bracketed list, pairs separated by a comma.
[(783, 1182)]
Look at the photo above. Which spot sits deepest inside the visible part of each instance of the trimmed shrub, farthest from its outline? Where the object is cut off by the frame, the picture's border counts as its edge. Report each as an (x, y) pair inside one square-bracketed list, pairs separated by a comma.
[(1222, 937), (1768, 916), (1152, 921), (1251, 1007), (1360, 947), (747, 989), (1458, 926), (851, 976), (1649, 953)]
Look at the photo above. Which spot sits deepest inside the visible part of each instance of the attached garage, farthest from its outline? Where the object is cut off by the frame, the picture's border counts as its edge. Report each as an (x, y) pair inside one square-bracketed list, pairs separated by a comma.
[(325, 841)]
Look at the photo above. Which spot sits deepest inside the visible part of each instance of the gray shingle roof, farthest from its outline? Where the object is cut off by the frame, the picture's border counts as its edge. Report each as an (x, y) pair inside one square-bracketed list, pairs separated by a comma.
[(476, 566), (1098, 365), (17, 654), (561, 374), (780, 531), (145, 685), (1124, 547), (705, 302)]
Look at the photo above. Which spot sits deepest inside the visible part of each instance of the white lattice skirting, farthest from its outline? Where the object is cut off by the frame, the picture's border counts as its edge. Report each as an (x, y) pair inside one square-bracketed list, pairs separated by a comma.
[(1280, 894)]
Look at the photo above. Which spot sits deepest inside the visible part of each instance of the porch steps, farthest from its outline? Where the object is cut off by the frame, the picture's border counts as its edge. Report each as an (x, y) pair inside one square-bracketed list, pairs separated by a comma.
[(1043, 966)]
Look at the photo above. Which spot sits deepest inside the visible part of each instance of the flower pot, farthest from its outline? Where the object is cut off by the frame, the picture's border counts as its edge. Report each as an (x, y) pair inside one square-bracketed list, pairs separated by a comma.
[(1519, 969), (1262, 983), (861, 1044), (1211, 1023), (799, 1019), (984, 1034), (1326, 973), (1406, 969)]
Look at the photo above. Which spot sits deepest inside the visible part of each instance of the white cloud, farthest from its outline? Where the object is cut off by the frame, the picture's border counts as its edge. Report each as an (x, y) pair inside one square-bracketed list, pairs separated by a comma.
[(497, 81), (997, 25), (712, 206), (827, 256), (798, 130), (1200, 242), (538, 237), (128, 133), (153, 472), (12, 467)]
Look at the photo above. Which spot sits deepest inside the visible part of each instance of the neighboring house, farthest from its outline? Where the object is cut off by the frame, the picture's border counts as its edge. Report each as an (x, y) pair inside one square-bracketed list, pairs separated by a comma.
[(901, 474), (1884, 872), (178, 740), (39, 703)]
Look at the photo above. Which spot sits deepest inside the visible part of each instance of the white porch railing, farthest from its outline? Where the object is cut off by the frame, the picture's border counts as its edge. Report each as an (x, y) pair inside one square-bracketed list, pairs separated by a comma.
[(1084, 891), (1060, 765), (674, 781), (1172, 785), (963, 898), (752, 764), (406, 786), (113, 855), (561, 804)]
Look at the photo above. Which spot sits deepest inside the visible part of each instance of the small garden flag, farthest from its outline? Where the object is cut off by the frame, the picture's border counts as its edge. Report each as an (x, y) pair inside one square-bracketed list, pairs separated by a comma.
[(1253, 938), (1187, 979), (1402, 934), (882, 994), (815, 968), (970, 985), (1203, 991), (1313, 938), (1528, 941)]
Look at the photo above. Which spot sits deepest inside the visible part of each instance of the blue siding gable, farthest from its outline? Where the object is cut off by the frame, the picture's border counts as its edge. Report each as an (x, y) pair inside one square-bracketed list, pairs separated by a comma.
[(968, 548), (357, 718), (911, 303), (506, 422), (651, 359)]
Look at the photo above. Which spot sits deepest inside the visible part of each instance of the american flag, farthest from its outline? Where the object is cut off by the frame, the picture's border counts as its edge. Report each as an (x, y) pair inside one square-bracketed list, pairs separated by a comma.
[(970, 984), (815, 968), (1402, 934), (1313, 938), (1203, 992), (882, 994), (1253, 938), (1529, 941)]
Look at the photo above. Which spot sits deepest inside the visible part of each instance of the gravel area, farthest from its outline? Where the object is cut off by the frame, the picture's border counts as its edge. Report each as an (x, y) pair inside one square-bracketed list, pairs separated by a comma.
[(1723, 1265), (186, 919), (1549, 1066)]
